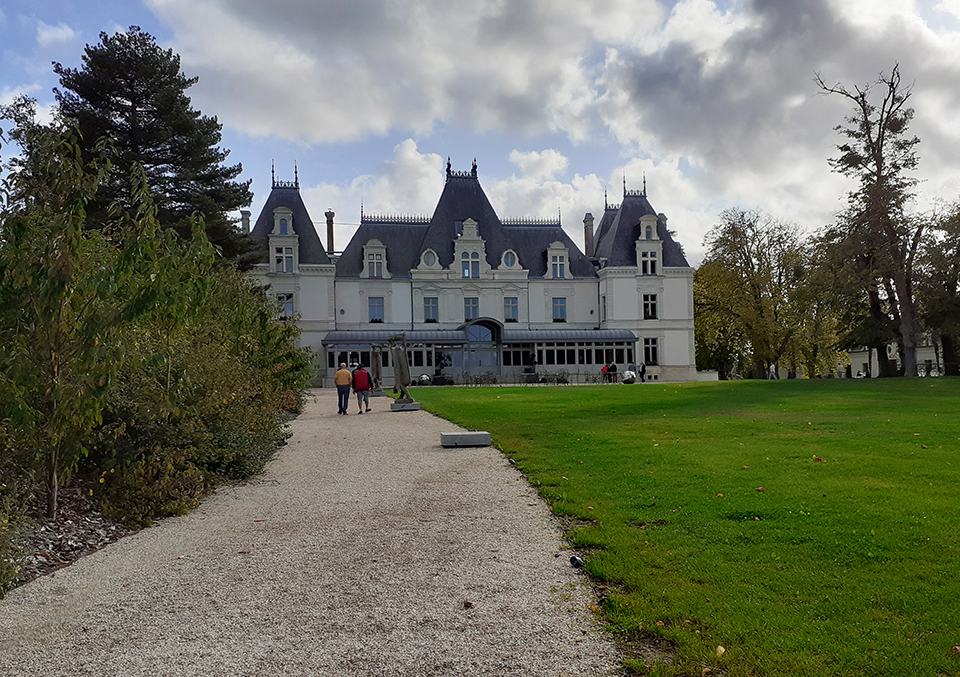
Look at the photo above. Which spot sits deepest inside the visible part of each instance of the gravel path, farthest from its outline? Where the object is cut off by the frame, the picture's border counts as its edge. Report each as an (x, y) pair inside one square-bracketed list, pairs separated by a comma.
[(365, 549)]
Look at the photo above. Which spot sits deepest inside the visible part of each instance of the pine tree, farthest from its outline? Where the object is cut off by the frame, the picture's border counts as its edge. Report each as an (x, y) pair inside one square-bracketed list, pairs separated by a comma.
[(132, 93)]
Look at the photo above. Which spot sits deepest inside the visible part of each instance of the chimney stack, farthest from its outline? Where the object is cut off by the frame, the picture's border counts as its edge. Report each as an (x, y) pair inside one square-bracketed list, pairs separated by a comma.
[(588, 245), (329, 214), (245, 221)]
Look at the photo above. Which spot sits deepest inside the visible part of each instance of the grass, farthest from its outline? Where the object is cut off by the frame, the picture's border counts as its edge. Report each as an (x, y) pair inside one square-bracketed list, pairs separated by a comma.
[(808, 527)]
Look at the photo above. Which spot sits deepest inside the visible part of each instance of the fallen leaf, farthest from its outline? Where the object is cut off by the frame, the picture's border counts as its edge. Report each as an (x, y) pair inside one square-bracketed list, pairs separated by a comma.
[(660, 623), (760, 489), (746, 467), (468, 605), (720, 651), (705, 671), (719, 495)]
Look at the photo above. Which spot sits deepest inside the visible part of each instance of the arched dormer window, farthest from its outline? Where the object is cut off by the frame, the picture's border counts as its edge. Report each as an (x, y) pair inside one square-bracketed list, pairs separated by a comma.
[(470, 265), (509, 259), (282, 221), (649, 232), (470, 252)]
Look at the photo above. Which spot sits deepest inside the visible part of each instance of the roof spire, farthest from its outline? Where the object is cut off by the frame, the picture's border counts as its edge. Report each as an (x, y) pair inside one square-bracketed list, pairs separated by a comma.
[(296, 176), (624, 184), (474, 168), (606, 205), (273, 175), (449, 166), (644, 184)]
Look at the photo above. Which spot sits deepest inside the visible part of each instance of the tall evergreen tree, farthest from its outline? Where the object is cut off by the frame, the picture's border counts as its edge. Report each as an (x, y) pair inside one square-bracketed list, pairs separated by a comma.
[(132, 92)]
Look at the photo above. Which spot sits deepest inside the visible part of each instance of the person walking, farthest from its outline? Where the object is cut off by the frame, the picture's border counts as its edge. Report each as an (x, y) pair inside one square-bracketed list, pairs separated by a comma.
[(343, 379), (643, 372), (361, 386)]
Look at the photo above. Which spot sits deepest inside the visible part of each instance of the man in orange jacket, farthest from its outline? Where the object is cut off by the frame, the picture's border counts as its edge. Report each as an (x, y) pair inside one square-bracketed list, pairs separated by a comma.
[(343, 379)]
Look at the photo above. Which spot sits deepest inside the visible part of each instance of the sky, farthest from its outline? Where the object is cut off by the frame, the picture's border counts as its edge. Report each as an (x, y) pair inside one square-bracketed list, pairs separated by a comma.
[(713, 103)]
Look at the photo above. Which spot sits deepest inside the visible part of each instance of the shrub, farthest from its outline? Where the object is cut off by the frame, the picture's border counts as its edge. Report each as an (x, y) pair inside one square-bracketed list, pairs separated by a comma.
[(162, 483)]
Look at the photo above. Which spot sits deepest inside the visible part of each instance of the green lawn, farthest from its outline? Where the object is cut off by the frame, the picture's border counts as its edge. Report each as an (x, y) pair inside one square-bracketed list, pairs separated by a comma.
[(808, 527)]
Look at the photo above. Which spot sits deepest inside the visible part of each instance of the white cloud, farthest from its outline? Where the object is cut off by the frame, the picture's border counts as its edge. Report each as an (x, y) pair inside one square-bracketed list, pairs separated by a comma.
[(410, 182), (50, 35), (540, 165)]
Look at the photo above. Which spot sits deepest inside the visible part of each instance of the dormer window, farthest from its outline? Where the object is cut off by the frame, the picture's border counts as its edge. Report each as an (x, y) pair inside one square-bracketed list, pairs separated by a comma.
[(375, 261), (470, 264), (557, 259), (283, 258), (648, 263), (509, 259), (282, 221), (375, 265), (649, 232), (559, 266)]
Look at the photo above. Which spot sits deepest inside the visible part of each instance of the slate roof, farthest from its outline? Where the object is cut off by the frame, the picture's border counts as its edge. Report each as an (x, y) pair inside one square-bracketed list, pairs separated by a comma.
[(620, 229), (287, 194), (462, 198)]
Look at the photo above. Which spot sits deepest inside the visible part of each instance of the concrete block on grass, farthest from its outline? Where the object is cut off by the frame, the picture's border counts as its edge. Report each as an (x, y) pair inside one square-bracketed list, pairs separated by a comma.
[(473, 438), (404, 406)]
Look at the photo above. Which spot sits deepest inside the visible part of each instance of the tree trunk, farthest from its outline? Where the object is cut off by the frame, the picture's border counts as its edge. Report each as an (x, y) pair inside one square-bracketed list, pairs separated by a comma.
[(907, 325), (951, 367), (52, 485)]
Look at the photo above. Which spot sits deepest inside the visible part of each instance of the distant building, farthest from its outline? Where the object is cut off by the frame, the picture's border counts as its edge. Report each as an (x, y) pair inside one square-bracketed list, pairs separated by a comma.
[(476, 294)]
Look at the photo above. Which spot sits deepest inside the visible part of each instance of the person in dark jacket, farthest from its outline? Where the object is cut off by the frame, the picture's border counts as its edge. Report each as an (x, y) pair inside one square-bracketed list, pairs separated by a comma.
[(361, 386)]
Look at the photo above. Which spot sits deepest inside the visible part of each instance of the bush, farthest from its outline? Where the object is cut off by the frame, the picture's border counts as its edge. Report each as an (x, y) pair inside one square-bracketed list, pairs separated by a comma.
[(163, 483), (15, 496)]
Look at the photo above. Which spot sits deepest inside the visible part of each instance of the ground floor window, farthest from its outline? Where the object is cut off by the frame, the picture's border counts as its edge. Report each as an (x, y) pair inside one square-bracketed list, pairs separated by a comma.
[(650, 353)]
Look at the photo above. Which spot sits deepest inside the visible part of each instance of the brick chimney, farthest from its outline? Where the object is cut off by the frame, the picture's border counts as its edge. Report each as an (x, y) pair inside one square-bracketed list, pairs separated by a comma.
[(588, 245), (330, 214), (245, 221)]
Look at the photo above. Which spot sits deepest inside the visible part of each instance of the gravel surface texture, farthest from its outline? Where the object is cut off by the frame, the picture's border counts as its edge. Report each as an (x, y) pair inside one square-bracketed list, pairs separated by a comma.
[(365, 549)]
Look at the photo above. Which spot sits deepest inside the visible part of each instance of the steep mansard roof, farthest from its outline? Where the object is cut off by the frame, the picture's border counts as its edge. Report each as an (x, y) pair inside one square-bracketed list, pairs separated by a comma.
[(462, 198), (620, 229), (287, 194)]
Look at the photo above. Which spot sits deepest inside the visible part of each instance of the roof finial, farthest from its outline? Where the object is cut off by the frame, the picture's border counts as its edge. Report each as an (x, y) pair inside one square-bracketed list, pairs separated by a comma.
[(296, 176), (474, 169), (449, 166), (644, 184), (606, 205), (273, 175), (624, 184)]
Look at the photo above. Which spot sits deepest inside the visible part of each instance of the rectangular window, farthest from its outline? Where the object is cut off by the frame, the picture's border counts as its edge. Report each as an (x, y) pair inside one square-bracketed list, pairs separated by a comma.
[(603, 308), (559, 310), (559, 263), (431, 309), (284, 259), (375, 303), (286, 306), (650, 353), (510, 309), (375, 265), (471, 308), (648, 263), (649, 306)]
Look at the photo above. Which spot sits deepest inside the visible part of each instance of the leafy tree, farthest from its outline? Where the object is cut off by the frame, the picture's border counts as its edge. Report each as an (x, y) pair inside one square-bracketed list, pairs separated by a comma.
[(133, 93), (720, 343), (939, 285), (65, 291), (755, 262), (861, 288), (879, 153)]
